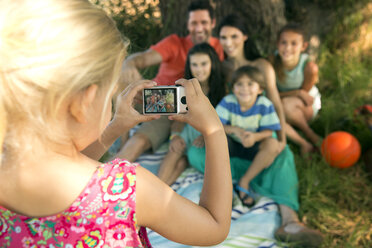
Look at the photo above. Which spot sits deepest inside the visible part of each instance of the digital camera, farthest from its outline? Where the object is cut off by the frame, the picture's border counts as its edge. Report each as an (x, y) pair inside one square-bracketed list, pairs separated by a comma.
[(164, 100)]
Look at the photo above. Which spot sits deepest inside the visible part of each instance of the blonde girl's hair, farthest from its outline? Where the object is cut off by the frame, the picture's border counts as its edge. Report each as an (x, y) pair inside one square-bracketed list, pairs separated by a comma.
[(278, 64), (51, 50)]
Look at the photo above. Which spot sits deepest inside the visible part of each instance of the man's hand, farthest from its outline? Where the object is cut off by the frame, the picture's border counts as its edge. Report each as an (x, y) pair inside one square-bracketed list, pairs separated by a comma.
[(132, 64), (177, 145), (129, 74), (199, 141)]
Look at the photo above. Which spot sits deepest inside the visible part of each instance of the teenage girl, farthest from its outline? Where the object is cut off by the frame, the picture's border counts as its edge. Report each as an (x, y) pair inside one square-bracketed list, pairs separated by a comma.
[(296, 77), (59, 66), (203, 64)]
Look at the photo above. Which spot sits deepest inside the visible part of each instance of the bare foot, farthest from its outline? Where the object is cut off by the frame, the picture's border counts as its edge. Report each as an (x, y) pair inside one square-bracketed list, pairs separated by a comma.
[(299, 234), (313, 137), (306, 148)]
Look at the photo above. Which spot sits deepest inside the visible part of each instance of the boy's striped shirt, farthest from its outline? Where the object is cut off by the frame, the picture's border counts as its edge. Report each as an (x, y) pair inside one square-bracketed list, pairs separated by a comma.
[(261, 116)]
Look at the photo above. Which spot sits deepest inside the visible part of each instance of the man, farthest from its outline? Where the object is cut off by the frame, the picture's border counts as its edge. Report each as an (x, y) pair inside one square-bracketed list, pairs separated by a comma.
[(170, 53)]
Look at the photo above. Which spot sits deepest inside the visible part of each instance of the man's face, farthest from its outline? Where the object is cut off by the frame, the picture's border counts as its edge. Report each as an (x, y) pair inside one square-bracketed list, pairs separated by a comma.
[(200, 26)]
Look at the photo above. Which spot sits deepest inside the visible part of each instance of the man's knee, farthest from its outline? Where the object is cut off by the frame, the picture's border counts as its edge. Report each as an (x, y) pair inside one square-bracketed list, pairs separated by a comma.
[(181, 164), (134, 147), (141, 140)]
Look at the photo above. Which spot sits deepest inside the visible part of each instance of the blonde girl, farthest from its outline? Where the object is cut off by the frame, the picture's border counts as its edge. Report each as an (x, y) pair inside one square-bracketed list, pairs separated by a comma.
[(59, 66)]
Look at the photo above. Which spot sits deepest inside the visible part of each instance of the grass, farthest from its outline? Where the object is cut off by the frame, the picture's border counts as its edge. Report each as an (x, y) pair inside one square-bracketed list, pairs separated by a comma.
[(338, 202)]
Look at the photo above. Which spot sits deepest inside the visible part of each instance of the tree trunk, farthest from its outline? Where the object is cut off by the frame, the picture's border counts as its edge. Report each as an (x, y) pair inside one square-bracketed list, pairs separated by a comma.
[(263, 18), (174, 16)]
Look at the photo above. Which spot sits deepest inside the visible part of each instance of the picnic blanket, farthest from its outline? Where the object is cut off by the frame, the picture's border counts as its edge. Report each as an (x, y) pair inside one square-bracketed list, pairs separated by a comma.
[(250, 227)]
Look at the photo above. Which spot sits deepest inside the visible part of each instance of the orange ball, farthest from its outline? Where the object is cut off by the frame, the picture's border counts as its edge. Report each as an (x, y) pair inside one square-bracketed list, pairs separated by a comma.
[(341, 149)]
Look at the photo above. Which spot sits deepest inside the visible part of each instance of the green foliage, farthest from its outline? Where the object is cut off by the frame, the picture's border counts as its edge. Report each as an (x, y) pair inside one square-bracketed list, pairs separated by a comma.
[(344, 85), (338, 4), (344, 30), (137, 20), (345, 81)]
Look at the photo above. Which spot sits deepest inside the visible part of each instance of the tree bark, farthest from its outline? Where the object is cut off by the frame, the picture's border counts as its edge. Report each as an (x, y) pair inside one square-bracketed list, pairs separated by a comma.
[(174, 16)]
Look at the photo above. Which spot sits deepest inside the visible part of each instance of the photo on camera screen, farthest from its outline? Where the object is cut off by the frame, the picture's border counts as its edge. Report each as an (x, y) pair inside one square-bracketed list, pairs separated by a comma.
[(160, 101)]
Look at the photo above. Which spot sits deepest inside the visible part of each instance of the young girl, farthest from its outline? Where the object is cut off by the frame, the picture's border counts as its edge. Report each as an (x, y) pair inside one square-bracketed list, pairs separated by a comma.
[(203, 64), (59, 66), (296, 78)]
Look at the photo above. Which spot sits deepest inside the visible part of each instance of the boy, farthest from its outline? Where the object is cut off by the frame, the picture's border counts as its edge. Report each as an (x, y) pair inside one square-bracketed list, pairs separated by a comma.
[(249, 120)]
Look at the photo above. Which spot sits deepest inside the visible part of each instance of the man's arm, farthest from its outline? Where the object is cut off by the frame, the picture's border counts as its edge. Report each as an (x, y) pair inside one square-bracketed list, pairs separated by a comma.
[(133, 63)]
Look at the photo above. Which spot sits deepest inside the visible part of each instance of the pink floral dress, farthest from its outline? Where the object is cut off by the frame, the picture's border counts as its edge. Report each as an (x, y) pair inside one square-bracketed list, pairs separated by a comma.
[(102, 216)]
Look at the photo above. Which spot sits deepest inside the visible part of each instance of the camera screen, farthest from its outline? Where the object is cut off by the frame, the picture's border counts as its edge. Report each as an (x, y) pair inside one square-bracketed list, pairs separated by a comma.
[(160, 101)]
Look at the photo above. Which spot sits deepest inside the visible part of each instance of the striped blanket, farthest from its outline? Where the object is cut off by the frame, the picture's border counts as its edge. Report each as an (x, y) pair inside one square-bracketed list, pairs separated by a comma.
[(252, 227)]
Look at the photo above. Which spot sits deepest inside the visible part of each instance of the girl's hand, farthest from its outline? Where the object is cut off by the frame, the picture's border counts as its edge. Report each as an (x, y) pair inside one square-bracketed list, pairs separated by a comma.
[(201, 114), (177, 145), (248, 139), (199, 142), (125, 115), (306, 98)]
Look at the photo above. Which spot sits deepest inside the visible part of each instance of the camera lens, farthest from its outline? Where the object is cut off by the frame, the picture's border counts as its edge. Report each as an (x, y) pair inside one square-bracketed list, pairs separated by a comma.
[(183, 100)]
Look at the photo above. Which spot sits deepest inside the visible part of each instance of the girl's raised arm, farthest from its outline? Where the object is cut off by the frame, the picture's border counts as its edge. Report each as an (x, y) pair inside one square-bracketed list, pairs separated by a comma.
[(175, 217), (124, 119)]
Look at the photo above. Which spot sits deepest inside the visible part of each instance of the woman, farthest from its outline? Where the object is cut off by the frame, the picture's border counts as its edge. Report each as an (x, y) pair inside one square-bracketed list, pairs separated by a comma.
[(282, 173), (234, 40)]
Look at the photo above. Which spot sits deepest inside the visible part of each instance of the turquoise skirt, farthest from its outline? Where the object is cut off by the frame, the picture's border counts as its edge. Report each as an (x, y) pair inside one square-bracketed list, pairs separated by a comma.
[(279, 181)]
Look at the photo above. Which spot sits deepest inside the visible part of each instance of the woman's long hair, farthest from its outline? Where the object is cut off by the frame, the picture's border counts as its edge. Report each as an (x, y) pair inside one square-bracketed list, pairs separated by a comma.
[(216, 82), (250, 49)]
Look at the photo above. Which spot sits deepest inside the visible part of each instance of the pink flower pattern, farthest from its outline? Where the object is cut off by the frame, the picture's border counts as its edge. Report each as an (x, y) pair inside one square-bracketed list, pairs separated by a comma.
[(102, 216)]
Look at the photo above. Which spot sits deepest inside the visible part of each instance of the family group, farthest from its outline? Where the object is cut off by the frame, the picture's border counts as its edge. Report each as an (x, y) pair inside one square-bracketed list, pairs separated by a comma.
[(62, 63)]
